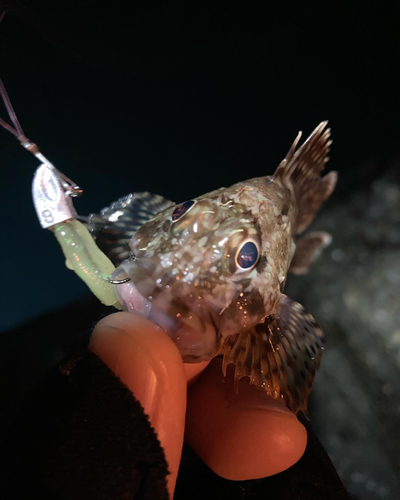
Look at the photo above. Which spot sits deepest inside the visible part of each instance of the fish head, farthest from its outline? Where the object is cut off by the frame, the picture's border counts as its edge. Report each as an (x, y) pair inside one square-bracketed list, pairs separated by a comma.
[(192, 270)]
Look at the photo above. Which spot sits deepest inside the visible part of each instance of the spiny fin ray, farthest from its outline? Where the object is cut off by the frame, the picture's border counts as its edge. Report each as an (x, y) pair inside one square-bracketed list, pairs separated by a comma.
[(286, 353), (115, 225), (300, 171)]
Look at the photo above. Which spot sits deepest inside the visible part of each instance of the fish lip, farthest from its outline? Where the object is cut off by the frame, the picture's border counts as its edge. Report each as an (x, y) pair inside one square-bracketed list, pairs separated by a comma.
[(135, 302), (196, 337)]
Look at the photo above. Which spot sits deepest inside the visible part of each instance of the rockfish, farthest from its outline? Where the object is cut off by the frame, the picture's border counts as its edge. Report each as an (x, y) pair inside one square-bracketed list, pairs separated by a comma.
[(211, 271)]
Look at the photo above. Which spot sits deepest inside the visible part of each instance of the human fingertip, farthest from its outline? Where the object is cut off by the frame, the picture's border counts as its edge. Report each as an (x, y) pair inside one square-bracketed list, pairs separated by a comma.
[(241, 437), (194, 370)]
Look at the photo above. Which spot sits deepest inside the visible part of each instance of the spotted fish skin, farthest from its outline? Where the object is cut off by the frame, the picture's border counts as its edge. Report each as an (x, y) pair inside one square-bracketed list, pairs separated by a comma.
[(183, 263)]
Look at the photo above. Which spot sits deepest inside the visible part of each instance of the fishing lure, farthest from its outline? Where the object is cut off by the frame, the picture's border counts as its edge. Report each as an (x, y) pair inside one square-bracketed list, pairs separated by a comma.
[(209, 271)]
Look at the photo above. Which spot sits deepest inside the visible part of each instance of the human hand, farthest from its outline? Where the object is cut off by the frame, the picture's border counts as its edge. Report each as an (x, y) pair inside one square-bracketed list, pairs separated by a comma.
[(244, 435)]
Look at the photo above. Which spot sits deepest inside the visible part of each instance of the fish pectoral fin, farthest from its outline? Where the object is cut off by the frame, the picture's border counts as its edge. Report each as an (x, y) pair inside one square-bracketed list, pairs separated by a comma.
[(280, 355), (308, 249), (115, 225)]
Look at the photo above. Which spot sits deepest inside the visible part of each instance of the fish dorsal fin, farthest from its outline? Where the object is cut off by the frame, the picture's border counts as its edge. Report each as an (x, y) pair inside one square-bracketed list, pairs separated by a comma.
[(115, 225), (280, 355), (301, 170)]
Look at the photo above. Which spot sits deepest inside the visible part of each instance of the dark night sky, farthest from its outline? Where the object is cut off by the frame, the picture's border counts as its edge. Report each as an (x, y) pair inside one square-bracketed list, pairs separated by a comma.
[(180, 101)]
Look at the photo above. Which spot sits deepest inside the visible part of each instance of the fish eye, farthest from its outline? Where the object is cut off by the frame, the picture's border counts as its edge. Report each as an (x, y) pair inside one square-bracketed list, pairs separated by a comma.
[(247, 255), (182, 209)]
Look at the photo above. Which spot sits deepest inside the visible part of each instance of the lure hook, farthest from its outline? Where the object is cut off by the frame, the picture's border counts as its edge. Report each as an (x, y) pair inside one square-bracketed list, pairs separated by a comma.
[(118, 282), (113, 278)]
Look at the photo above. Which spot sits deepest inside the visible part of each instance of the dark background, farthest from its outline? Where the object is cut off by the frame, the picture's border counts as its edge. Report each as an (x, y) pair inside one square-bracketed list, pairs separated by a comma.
[(134, 96)]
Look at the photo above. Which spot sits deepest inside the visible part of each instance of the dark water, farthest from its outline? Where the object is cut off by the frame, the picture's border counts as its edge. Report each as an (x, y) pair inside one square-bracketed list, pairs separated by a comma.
[(134, 97)]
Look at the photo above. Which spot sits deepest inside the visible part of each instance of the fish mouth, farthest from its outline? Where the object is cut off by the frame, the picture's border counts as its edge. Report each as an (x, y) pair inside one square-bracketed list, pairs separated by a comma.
[(197, 339)]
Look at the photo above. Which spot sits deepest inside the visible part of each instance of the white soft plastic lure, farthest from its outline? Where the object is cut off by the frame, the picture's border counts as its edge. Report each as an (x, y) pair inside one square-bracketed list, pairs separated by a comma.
[(209, 271)]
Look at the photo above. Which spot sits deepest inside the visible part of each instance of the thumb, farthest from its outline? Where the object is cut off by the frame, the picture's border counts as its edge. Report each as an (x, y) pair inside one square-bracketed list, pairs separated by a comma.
[(150, 365)]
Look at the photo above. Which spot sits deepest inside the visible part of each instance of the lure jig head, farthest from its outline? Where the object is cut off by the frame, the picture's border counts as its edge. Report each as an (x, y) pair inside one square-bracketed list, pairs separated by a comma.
[(51, 189), (52, 193)]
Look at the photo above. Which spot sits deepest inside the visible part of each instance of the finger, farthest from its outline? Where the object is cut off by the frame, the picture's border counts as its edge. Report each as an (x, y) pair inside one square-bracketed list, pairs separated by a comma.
[(241, 436), (150, 365), (193, 370)]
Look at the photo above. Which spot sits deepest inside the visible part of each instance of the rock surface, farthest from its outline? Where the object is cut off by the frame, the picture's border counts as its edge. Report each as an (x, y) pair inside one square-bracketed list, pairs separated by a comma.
[(353, 291)]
